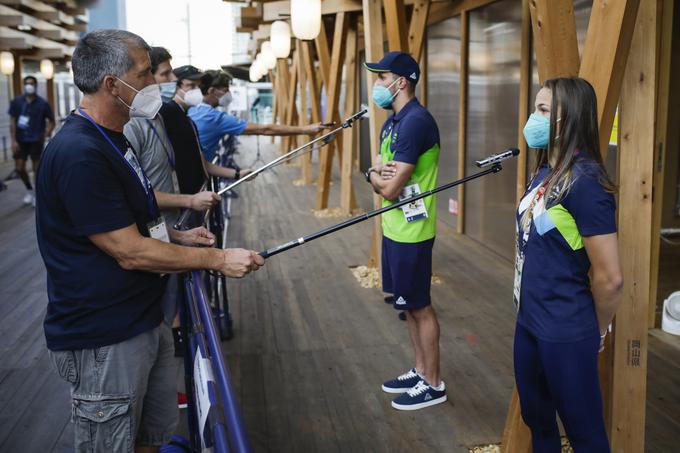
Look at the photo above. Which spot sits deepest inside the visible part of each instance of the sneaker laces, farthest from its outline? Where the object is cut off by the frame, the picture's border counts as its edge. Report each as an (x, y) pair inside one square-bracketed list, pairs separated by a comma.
[(408, 375), (419, 388)]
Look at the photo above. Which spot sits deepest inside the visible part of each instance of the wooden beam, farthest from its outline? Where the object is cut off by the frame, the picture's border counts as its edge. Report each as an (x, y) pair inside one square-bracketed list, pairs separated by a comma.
[(665, 39), (17, 75), (636, 163), (524, 101), (555, 40), (323, 54), (291, 112), (516, 435), (274, 10), (610, 31), (332, 98), (444, 10), (373, 39), (395, 22), (462, 114), (347, 200), (314, 85), (303, 118), (417, 31)]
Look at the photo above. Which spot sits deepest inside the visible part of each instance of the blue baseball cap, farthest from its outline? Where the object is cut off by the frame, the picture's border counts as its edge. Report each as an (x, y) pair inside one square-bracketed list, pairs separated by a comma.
[(399, 63)]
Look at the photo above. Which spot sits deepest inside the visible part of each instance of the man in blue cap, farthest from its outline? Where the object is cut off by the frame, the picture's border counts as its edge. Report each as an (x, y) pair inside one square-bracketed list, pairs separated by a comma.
[(407, 165)]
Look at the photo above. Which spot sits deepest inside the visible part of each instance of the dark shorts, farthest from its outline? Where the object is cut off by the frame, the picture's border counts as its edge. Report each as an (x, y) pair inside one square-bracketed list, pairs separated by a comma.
[(29, 149), (407, 272)]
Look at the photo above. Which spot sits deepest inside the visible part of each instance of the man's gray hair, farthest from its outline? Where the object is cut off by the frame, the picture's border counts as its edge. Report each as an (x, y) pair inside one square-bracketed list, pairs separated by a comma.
[(101, 53)]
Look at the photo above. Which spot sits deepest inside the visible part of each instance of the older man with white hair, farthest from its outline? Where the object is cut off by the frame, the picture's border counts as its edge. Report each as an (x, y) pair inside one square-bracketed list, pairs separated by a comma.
[(106, 248)]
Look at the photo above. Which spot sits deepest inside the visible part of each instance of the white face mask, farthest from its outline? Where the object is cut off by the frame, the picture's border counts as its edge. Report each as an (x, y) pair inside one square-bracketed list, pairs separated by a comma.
[(146, 103), (193, 97), (29, 89), (225, 100)]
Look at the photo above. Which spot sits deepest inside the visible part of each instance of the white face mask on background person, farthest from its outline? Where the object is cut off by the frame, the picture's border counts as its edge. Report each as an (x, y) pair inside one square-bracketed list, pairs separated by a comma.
[(225, 100), (29, 89), (192, 97), (146, 103)]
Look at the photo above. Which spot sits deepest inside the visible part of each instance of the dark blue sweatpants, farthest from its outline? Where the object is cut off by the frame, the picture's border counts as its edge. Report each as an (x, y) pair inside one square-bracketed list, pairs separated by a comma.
[(563, 378)]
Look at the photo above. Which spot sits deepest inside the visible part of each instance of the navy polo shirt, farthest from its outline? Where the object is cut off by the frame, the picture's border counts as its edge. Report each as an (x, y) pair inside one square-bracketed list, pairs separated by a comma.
[(85, 187), (555, 301), (413, 132), (37, 112)]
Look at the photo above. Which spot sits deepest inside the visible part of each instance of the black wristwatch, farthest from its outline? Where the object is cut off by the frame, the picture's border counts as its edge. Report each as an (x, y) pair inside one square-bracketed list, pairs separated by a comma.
[(238, 174), (368, 174)]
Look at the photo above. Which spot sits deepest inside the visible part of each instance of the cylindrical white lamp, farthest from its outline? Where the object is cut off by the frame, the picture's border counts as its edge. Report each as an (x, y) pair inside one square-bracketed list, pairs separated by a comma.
[(7, 63), (47, 68), (305, 18), (280, 39), (268, 58)]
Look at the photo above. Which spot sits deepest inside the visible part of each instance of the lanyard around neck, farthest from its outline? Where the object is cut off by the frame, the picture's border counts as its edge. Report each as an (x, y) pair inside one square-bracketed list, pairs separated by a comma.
[(168, 152), (146, 185)]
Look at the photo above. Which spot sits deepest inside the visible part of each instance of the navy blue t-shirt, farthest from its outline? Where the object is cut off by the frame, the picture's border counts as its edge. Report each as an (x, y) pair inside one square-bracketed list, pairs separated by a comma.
[(555, 301), (85, 187), (36, 112)]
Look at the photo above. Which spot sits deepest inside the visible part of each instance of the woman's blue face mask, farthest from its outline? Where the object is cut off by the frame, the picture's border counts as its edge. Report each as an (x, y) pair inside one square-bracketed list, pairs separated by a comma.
[(537, 131)]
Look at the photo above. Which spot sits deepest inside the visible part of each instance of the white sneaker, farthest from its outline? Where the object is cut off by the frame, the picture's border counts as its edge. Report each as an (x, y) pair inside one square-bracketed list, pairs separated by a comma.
[(28, 198)]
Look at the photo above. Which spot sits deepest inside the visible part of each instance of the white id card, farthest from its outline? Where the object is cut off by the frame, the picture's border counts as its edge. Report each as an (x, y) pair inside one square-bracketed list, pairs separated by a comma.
[(23, 121), (158, 230), (415, 210)]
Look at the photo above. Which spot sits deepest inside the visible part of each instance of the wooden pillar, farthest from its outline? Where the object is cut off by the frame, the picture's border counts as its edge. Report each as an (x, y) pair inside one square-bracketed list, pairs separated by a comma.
[(291, 111), (462, 115), (524, 102), (17, 76), (332, 98), (395, 22), (416, 31), (373, 37), (610, 31), (323, 54), (347, 200), (554, 38), (303, 114), (314, 83), (51, 97), (282, 83), (636, 161), (665, 43)]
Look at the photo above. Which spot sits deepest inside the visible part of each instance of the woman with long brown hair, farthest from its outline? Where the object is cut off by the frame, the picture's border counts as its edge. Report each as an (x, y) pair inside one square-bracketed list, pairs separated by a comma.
[(568, 280)]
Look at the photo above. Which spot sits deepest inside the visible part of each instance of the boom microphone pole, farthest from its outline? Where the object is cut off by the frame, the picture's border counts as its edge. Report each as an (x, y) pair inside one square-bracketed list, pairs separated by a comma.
[(494, 161), (347, 123)]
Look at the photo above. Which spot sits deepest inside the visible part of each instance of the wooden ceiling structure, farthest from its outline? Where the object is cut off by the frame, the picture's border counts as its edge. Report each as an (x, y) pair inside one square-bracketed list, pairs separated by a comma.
[(37, 30)]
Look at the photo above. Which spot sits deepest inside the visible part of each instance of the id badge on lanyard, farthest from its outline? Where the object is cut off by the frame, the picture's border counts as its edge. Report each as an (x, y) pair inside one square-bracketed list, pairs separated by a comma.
[(415, 210), (23, 121), (158, 229)]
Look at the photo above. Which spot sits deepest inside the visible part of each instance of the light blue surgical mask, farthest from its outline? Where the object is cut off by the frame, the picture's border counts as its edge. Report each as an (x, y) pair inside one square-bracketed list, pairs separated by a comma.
[(382, 96), (537, 131), (168, 90)]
